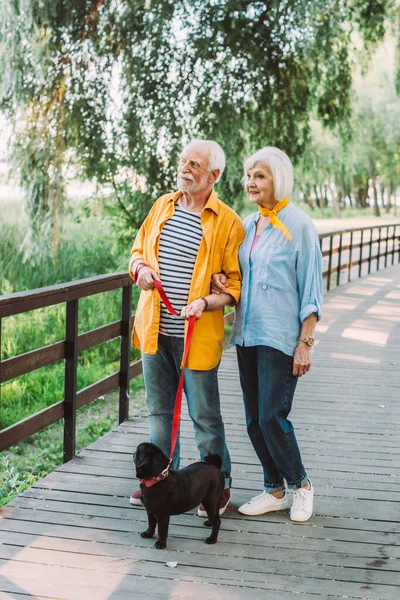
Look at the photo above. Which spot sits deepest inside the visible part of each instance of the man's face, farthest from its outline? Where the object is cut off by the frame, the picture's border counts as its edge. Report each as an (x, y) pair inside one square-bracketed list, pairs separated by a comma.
[(193, 169)]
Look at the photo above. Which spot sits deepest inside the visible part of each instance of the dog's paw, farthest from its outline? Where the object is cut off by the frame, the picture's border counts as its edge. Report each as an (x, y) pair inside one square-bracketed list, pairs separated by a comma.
[(207, 523), (211, 540), (160, 545), (147, 534)]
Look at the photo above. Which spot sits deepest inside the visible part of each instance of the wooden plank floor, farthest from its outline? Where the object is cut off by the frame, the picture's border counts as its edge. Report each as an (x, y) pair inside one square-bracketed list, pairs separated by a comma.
[(75, 536)]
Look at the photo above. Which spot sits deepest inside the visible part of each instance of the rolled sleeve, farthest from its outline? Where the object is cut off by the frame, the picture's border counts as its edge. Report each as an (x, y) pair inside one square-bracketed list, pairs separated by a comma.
[(230, 263), (309, 279), (310, 309)]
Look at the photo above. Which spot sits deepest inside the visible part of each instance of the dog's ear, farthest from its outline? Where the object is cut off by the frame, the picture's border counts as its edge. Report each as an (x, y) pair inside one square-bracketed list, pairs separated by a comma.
[(136, 454)]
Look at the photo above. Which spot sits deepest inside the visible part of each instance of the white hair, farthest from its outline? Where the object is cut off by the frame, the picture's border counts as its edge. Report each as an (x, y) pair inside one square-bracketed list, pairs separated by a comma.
[(280, 166), (216, 156)]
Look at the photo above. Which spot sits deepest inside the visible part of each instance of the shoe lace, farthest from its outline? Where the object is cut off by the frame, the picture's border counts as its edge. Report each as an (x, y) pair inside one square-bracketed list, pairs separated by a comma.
[(300, 499)]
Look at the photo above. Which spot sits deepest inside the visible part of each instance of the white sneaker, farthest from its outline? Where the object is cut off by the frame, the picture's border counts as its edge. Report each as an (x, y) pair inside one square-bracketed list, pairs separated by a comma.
[(302, 507), (264, 503)]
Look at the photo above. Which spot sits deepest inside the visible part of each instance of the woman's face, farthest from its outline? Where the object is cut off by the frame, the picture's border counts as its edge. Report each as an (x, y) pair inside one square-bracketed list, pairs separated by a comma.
[(260, 185)]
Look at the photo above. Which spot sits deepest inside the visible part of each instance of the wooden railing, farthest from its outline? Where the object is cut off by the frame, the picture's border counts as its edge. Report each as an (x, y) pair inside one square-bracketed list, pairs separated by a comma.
[(350, 253), (68, 349), (347, 252)]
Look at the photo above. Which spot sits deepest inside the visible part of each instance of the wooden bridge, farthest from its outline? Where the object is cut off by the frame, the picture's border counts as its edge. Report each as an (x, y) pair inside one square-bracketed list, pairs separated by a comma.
[(74, 535)]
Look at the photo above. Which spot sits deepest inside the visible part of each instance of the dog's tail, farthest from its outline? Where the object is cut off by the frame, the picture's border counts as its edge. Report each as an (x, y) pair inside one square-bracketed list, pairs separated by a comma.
[(213, 459)]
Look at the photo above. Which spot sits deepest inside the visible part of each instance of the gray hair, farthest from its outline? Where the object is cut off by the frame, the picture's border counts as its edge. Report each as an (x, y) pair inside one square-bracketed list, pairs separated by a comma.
[(216, 156), (280, 166)]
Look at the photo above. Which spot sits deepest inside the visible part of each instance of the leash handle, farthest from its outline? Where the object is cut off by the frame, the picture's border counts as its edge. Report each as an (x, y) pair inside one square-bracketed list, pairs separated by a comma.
[(165, 298), (188, 339)]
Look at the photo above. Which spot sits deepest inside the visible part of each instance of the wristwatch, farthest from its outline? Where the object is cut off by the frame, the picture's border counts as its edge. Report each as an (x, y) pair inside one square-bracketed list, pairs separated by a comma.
[(308, 340)]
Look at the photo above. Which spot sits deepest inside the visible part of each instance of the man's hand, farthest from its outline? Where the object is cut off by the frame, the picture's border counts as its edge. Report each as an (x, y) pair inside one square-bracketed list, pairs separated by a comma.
[(218, 283), (301, 360), (145, 278), (195, 308)]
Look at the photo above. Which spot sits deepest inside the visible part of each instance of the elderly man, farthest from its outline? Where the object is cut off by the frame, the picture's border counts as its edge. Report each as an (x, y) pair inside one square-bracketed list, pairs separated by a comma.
[(186, 237)]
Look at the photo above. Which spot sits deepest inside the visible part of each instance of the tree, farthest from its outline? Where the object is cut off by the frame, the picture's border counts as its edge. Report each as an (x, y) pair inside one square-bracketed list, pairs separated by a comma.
[(243, 73)]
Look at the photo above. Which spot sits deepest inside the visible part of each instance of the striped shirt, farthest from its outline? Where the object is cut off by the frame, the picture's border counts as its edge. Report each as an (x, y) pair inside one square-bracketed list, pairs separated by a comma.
[(179, 243)]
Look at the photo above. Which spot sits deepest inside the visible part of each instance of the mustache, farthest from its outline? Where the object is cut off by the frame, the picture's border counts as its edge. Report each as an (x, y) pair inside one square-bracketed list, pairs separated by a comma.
[(187, 177)]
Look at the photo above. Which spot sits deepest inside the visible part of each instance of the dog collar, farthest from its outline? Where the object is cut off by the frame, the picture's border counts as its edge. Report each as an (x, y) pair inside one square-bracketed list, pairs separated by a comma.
[(150, 482)]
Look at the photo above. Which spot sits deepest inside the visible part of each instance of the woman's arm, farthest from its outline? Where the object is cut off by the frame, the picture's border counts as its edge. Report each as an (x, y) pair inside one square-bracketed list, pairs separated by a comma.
[(302, 353)]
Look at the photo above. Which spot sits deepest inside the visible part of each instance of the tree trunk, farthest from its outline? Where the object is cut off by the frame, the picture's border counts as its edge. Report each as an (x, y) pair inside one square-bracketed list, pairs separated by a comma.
[(373, 184), (319, 200), (335, 199), (382, 191), (307, 197), (326, 195), (389, 195)]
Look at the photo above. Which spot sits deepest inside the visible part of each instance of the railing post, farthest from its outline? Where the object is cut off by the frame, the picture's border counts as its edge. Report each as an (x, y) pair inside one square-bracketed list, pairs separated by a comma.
[(386, 245), (394, 243), (125, 357), (71, 364), (339, 260), (399, 247), (361, 249), (350, 255), (370, 250), (378, 254), (328, 283)]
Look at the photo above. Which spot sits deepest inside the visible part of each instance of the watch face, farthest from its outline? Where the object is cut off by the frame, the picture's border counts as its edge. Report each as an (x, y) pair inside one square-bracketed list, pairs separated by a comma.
[(310, 341)]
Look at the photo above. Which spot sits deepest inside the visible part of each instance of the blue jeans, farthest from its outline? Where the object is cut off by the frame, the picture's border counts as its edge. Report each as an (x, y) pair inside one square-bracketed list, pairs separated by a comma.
[(161, 373), (268, 387)]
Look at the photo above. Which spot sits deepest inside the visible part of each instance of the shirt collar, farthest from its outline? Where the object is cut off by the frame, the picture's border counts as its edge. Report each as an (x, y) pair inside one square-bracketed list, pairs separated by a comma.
[(212, 202)]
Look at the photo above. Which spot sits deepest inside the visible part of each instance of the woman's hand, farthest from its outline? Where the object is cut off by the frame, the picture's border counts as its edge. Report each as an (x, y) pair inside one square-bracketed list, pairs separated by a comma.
[(218, 283), (195, 308), (145, 278), (301, 360)]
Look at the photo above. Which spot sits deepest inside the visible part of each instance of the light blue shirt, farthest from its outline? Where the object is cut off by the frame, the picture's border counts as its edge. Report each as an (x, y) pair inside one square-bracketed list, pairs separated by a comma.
[(282, 282)]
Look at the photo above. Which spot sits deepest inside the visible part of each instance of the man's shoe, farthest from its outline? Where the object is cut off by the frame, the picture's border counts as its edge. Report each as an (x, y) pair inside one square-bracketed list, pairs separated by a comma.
[(264, 503), (302, 507), (136, 498), (223, 503)]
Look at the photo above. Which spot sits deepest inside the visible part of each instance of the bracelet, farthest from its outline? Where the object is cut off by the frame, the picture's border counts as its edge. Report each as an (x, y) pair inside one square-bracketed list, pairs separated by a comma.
[(205, 302), (138, 267)]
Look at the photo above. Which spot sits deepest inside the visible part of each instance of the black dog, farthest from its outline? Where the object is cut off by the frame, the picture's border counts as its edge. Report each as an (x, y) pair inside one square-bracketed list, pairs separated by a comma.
[(168, 492)]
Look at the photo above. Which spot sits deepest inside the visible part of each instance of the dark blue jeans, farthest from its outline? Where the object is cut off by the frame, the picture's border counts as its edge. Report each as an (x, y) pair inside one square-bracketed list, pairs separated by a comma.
[(268, 387), (161, 373)]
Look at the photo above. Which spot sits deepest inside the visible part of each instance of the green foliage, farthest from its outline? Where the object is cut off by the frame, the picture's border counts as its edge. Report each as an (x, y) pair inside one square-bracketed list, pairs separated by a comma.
[(87, 248), (12, 483), (345, 169), (118, 87)]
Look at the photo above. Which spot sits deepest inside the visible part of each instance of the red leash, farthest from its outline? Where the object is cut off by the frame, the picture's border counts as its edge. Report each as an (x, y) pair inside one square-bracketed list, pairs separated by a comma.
[(178, 397)]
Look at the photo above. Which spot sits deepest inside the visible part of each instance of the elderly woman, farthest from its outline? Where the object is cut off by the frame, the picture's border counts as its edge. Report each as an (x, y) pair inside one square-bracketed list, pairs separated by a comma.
[(280, 303)]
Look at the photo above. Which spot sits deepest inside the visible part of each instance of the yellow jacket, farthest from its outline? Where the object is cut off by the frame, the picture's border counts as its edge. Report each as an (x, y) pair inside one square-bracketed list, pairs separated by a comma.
[(218, 251)]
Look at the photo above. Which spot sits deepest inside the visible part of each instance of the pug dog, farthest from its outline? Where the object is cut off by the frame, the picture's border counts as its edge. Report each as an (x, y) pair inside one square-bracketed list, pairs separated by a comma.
[(167, 492)]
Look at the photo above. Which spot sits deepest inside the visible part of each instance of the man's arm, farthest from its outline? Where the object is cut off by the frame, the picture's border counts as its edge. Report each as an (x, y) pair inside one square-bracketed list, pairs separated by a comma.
[(210, 302), (230, 266)]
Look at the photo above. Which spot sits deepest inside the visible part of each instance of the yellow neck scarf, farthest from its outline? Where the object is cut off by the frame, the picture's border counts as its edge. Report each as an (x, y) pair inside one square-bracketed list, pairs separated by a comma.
[(274, 219)]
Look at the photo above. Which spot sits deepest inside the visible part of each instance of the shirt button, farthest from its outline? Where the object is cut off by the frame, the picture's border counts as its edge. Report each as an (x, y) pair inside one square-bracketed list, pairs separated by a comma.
[(264, 287)]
